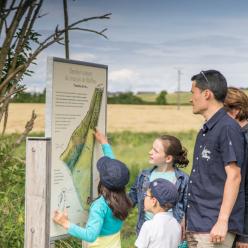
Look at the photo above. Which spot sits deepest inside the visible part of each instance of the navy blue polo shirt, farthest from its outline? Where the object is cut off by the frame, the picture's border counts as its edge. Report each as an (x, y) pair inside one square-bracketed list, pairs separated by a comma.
[(218, 143)]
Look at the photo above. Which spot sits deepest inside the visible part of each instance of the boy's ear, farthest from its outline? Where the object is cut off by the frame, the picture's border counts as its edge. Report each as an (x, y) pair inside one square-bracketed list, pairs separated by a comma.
[(154, 202)]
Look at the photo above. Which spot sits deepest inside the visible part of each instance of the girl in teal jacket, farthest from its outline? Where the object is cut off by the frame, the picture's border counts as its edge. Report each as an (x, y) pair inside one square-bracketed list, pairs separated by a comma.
[(109, 210)]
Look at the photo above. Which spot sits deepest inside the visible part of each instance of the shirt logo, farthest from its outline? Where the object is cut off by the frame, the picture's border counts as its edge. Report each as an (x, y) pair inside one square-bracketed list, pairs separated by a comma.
[(206, 153)]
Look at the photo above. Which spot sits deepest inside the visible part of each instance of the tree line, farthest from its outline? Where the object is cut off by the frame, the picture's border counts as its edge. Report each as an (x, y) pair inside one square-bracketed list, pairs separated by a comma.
[(120, 98)]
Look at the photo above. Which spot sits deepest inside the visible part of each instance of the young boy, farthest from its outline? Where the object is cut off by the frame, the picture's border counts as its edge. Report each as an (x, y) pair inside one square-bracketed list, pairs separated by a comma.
[(162, 230)]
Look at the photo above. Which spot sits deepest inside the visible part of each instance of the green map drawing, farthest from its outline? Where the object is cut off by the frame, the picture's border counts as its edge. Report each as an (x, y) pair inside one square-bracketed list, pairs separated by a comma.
[(78, 155)]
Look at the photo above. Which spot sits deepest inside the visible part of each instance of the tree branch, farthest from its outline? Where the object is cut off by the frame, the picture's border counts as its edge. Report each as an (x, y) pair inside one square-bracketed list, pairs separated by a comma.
[(12, 92), (23, 36), (12, 76), (29, 126), (6, 115), (10, 32), (92, 31)]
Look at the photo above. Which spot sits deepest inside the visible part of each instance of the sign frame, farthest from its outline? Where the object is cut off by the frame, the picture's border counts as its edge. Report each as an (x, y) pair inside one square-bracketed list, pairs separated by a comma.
[(49, 117)]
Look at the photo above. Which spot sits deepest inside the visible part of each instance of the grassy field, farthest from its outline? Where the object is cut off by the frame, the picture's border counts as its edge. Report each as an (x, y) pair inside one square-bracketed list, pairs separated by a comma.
[(133, 118), (172, 98)]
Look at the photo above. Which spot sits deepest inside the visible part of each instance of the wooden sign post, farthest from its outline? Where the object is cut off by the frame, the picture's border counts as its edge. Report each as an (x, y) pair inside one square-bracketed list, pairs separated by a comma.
[(37, 193)]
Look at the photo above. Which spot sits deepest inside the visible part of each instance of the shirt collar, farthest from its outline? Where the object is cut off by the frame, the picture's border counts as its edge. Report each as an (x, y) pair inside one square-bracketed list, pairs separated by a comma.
[(213, 120), (178, 173)]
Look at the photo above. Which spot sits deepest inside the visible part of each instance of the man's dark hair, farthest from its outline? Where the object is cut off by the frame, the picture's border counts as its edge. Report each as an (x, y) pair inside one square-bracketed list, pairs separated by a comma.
[(212, 80)]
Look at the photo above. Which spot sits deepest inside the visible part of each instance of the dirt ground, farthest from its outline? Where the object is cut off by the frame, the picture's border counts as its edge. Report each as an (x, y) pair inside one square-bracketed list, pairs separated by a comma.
[(136, 118)]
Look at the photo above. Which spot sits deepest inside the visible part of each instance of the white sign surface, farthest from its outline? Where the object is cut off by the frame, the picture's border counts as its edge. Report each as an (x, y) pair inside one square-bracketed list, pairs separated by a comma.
[(75, 105)]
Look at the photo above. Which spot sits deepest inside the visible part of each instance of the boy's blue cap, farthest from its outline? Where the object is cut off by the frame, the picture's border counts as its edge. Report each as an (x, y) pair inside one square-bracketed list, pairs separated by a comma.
[(113, 173), (164, 191)]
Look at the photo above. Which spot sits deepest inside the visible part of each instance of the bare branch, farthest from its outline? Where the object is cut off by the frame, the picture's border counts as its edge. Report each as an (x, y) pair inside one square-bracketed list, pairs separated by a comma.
[(29, 126), (56, 36), (12, 92), (106, 16), (60, 43), (92, 31), (42, 15)]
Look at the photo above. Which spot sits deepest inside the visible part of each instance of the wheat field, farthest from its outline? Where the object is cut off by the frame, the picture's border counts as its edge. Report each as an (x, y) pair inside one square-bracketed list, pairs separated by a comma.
[(134, 118)]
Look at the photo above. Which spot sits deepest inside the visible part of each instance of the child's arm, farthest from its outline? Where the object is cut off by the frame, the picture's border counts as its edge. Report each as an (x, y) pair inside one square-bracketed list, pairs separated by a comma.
[(181, 206), (133, 193), (106, 148), (185, 198), (92, 229)]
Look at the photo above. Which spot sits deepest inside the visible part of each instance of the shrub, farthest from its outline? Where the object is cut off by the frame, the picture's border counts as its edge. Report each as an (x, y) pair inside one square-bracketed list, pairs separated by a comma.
[(12, 181), (161, 98), (125, 98)]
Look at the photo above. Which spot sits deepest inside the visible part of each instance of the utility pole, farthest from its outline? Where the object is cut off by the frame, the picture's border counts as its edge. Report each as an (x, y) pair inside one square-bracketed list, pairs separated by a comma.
[(179, 73), (66, 29)]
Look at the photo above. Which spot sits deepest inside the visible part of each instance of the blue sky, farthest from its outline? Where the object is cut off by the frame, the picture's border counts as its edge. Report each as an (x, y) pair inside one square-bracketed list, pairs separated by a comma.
[(149, 40)]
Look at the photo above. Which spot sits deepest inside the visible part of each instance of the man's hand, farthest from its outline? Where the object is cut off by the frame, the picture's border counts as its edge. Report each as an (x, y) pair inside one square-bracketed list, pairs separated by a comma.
[(219, 231), (61, 218), (241, 245), (100, 137)]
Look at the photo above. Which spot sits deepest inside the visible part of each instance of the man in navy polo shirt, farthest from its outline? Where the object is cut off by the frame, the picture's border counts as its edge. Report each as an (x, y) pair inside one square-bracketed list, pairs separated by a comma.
[(215, 202)]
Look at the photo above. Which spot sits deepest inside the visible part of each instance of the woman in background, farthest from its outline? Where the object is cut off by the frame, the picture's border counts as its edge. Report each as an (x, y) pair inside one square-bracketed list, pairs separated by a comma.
[(236, 104)]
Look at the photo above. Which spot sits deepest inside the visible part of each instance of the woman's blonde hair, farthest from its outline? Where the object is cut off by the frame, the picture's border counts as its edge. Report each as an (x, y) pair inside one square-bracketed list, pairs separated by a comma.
[(237, 99)]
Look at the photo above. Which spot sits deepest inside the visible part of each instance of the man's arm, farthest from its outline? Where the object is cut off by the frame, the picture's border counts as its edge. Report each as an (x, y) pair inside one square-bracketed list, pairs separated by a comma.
[(231, 189)]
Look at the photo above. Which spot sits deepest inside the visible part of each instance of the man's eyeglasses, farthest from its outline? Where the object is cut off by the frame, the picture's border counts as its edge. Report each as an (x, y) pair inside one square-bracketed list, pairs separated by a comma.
[(203, 74)]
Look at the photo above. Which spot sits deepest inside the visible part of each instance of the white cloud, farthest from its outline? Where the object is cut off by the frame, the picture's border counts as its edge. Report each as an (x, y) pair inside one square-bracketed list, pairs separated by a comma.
[(123, 74), (89, 57)]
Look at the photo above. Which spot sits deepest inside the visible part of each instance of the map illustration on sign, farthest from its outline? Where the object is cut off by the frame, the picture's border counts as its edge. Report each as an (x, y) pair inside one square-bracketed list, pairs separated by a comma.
[(78, 155)]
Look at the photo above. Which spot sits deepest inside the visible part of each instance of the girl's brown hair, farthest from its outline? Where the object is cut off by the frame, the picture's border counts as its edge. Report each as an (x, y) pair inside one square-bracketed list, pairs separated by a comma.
[(237, 99), (117, 200), (173, 147)]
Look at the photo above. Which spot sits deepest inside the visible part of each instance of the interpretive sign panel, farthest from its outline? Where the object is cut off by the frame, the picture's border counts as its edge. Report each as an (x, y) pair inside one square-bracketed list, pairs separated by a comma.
[(75, 106)]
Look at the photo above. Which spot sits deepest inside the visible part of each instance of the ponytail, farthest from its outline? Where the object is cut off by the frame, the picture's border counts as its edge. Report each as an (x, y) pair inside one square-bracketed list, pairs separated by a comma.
[(173, 147)]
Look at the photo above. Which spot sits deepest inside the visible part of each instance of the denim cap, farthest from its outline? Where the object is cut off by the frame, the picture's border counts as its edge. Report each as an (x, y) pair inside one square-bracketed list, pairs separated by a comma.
[(113, 173), (164, 191)]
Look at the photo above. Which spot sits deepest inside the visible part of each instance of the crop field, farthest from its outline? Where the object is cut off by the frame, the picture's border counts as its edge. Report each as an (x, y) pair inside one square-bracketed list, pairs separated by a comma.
[(133, 118)]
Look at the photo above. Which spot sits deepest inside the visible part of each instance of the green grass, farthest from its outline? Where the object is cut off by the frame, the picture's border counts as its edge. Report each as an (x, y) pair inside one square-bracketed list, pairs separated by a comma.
[(131, 148), (184, 98), (148, 97), (170, 97)]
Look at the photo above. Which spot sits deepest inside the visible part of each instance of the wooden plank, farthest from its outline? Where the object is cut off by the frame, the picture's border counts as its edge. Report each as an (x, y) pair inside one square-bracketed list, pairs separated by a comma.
[(37, 193)]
